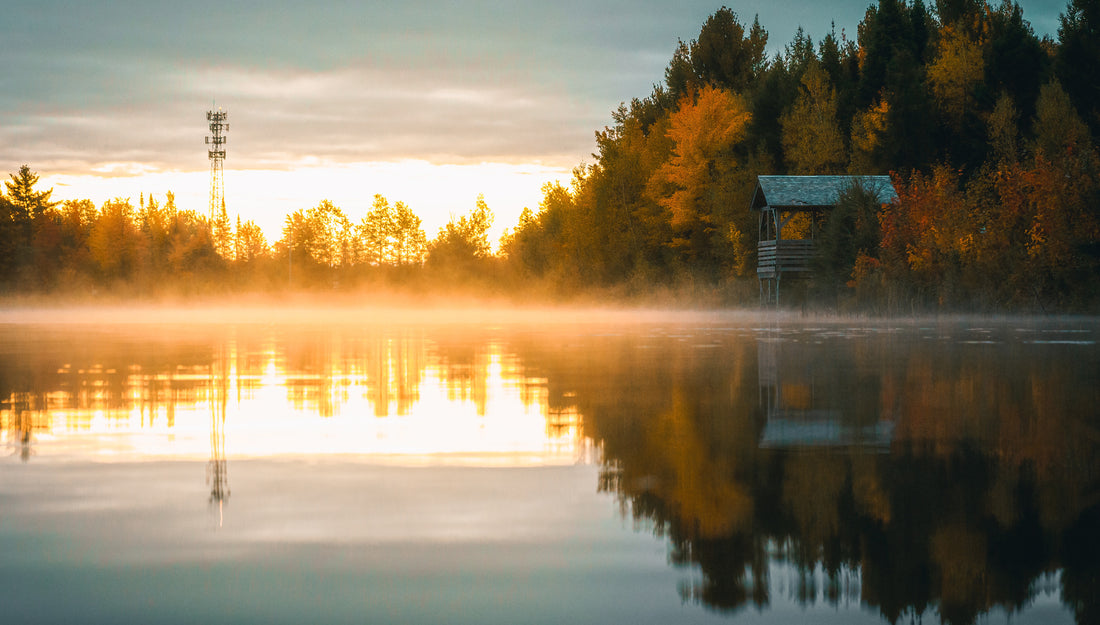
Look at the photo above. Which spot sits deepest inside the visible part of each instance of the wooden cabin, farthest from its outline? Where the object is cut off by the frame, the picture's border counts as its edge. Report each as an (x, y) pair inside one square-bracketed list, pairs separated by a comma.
[(779, 199)]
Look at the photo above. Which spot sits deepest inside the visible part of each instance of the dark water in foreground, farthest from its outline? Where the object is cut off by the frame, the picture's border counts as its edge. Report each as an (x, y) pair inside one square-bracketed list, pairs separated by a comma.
[(589, 469)]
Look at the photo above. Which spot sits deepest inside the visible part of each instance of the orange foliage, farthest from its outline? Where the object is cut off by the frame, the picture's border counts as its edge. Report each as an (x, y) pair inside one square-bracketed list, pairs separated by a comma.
[(702, 129), (923, 231)]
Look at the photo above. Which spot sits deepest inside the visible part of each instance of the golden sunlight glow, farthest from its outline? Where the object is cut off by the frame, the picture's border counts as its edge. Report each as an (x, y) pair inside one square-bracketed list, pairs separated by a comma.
[(404, 406), (433, 191)]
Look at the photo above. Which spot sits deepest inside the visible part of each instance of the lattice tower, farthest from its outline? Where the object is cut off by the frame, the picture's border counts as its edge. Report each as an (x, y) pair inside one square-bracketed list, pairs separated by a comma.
[(216, 141)]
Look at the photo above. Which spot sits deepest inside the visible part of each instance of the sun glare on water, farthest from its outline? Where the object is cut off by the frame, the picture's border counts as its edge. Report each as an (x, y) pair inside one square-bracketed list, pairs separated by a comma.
[(403, 409)]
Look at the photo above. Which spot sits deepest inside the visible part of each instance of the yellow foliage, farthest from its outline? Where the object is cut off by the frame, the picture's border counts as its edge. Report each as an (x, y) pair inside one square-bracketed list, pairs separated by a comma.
[(1036, 240), (957, 69), (811, 136), (741, 255), (700, 488), (869, 126), (799, 226), (701, 129)]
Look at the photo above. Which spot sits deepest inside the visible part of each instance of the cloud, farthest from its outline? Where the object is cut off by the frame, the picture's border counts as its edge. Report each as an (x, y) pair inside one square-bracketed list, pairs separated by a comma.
[(364, 113), (88, 84)]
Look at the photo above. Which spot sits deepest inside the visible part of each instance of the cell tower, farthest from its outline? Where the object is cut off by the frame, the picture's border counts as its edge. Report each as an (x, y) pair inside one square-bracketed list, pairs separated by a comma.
[(218, 126)]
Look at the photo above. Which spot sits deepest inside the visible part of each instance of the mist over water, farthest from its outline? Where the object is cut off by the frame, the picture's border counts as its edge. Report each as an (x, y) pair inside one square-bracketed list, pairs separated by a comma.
[(474, 463)]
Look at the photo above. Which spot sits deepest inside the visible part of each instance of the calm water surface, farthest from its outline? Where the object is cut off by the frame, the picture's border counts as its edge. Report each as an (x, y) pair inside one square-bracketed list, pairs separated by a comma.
[(584, 467)]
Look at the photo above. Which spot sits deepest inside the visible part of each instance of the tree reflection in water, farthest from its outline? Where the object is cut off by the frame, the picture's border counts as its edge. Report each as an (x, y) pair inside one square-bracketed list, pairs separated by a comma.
[(944, 469), (954, 478)]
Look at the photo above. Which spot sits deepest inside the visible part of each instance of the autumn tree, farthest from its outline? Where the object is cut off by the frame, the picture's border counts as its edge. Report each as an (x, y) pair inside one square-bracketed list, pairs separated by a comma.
[(329, 244), (851, 230), (463, 242), (689, 185), (250, 243), (541, 244), (71, 222), (869, 139), (156, 225), (223, 234), (1003, 130), (296, 244), (923, 233), (955, 74), (375, 232), (1065, 182), (613, 225), (410, 244), (812, 141), (191, 251), (391, 235), (115, 241)]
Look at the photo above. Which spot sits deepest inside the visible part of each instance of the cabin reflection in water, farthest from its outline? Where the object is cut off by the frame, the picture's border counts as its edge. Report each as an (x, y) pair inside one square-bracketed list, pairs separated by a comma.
[(798, 415)]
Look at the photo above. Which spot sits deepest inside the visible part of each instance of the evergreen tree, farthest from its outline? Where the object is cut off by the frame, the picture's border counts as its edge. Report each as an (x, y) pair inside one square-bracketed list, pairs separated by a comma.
[(1078, 57), (27, 202)]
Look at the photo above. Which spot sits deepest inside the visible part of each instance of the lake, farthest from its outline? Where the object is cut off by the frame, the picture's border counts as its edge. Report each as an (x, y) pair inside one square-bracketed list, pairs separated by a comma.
[(571, 466)]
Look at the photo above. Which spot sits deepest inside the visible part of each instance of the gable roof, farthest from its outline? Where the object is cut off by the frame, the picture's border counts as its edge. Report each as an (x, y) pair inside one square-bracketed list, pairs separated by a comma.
[(810, 192)]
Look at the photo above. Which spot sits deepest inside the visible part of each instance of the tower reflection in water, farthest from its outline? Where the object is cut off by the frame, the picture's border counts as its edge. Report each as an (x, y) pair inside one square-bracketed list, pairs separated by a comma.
[(217, 469)]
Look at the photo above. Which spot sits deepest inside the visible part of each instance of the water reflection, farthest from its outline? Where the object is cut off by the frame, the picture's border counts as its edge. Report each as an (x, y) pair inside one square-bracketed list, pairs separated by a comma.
[(259, 391), (946, 471), (217, 469), (916, 467)]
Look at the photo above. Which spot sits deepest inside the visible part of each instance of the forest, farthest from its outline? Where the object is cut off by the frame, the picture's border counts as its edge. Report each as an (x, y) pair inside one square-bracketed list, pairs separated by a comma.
[(988, 131)]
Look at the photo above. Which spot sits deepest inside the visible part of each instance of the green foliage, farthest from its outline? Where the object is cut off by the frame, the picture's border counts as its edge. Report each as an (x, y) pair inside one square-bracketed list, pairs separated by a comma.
[(851, 230), (1016, 61), (724, 55), (1078, 56)]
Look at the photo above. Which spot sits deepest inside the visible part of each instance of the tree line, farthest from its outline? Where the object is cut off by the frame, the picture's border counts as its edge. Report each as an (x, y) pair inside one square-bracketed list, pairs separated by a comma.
[(989, 132), (156, 248)]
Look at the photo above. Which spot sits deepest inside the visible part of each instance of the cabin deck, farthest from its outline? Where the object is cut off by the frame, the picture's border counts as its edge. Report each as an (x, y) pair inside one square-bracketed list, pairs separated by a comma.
[(784, 256)]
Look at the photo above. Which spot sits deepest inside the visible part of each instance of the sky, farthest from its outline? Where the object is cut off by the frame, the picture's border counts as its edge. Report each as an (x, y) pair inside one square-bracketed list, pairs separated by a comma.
[(429, 103)]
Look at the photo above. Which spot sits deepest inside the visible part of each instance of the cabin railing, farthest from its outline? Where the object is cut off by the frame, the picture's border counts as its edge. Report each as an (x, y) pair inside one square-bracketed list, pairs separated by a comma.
[(784, 256)]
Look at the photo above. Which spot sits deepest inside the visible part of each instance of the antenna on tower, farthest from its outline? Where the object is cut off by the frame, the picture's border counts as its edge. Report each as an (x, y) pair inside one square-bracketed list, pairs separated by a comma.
[(218, 125)]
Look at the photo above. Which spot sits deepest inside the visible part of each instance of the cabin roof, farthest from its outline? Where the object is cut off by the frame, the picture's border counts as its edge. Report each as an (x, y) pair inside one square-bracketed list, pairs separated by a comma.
[(814, 192)]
